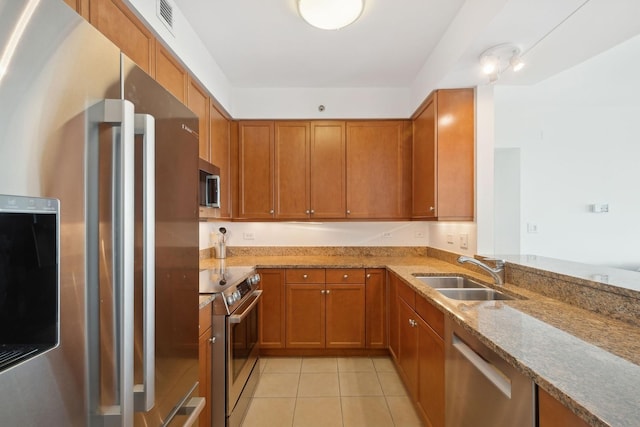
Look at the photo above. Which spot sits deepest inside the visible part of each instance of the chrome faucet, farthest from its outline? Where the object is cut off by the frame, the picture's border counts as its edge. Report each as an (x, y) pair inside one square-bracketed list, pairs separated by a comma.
[(496, 273)]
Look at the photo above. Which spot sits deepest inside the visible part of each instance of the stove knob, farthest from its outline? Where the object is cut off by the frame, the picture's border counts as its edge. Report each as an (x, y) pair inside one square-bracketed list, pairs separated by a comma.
[(230, 299)]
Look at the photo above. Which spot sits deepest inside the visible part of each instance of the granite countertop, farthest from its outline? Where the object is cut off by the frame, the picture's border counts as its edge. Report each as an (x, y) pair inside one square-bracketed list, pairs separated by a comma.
[(591, 363)]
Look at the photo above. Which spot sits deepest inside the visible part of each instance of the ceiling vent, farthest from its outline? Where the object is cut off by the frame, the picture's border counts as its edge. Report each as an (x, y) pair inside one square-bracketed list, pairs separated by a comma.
[(165, 13)]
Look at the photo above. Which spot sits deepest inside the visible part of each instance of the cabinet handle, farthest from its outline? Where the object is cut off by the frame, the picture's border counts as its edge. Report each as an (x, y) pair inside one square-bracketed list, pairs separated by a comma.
[(346, 276), (212, 340), (304, 276), (369, 276), (413, 323), (307, 212), (322, 291), (431, 208), (271, 211), (327, 291), (348, 212), (312, 211)]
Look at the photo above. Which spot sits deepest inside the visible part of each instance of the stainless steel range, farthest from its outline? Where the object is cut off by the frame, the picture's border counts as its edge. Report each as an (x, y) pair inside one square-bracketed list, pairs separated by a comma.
[(235, 360)]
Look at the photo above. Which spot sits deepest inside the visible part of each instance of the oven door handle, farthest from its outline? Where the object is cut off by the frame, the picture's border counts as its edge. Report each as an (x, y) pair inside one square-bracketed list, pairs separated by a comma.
[(237, 318)]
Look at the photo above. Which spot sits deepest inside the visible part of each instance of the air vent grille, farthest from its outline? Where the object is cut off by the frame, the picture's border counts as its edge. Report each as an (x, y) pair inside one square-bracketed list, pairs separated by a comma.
[(165, 12)]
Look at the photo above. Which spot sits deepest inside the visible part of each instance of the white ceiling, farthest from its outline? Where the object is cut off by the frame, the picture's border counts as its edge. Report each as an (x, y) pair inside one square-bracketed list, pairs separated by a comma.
[(265, 44)]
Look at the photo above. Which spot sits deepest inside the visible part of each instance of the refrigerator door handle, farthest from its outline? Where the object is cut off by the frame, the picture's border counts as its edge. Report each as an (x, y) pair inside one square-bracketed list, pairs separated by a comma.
[(144, 394), (118, 114)]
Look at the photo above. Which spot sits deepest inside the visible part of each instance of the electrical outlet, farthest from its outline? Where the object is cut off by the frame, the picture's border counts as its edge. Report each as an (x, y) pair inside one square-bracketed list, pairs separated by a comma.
[(450, 239), (248, 236), (532, 228), (464, 241), (386, 235)]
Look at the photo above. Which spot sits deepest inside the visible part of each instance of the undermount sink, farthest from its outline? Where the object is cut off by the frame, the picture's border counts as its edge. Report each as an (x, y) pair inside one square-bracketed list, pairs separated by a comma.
[(484, 294), (461, 288), (448, 282)]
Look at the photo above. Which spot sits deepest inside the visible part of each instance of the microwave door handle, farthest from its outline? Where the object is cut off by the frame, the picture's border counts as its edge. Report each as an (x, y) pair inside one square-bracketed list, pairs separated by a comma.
[(212, 180), (144, 394), (237, 318), (118, 114)]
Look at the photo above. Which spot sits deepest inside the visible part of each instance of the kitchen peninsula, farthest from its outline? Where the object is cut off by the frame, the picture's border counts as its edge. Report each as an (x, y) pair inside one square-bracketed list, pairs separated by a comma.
[(588, 362)]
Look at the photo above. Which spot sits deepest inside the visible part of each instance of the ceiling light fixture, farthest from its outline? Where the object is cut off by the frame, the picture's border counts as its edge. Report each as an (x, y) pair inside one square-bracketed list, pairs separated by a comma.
[(330, 14), (496, 60)]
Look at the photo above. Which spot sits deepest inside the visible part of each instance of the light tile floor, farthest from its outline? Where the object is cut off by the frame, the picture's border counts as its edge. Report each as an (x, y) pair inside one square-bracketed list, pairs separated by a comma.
[(328, 392)]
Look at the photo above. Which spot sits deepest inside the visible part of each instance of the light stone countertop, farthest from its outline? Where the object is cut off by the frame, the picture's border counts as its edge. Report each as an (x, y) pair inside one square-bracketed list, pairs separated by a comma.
[(591, 363)]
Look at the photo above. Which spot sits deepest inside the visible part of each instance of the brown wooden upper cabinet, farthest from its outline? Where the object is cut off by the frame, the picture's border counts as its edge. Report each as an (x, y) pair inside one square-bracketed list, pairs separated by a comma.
[(291, 179), (255, 170), (307, 179), (198, 102), (220, 155), (309, 170), (378, 169), (114, 19), (443, 156), (170, 74), (80, 6), (327, 174)]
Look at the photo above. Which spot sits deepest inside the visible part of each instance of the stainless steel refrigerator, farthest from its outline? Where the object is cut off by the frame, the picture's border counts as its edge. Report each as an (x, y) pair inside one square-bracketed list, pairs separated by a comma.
[(82, 124)]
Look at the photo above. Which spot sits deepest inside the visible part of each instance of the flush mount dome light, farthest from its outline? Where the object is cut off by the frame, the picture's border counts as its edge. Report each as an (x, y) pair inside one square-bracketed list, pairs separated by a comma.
[(330, 14)]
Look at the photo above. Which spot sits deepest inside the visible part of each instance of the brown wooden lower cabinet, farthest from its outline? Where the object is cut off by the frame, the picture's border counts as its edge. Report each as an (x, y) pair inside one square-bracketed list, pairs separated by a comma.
[(272, 308), (393, 314), (204, 358), (323, 309), (552, 413), (420, 353), (376, 308), (430, 374)]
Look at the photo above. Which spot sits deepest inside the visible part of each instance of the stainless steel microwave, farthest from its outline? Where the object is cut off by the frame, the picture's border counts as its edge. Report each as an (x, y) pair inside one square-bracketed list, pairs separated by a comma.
[(209, 185)]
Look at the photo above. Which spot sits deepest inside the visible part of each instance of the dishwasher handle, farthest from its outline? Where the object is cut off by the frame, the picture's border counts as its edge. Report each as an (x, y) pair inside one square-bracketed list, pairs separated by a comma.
[(501, 381)]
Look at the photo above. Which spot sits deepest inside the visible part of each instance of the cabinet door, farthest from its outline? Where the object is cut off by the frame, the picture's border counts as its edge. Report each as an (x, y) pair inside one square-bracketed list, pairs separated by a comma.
[(305, 319), (170, 74), (393, 315), (376, 303), (204, 358), (378, 180), (408, 347), (220, 155), (114, 19), (455, 150), (424, 163), (255, 170), (345, 315), (292, 170), (430, 374), (552, 413), (198, 102), (327, 170), (272, 309)]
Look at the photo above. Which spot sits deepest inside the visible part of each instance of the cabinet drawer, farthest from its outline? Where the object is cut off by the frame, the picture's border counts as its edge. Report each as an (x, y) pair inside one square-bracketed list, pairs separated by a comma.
[(204, 318), (304, 275), (345, 275), (431, 315), (407, 294)]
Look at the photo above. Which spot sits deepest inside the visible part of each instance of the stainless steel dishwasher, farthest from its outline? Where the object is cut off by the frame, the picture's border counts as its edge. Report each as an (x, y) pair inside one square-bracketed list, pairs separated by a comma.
[(483, 390)]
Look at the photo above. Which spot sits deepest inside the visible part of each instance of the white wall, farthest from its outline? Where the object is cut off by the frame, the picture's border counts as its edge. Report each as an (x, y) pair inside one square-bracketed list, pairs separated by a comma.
[(400, 233), (302, 103), (579, 135)]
